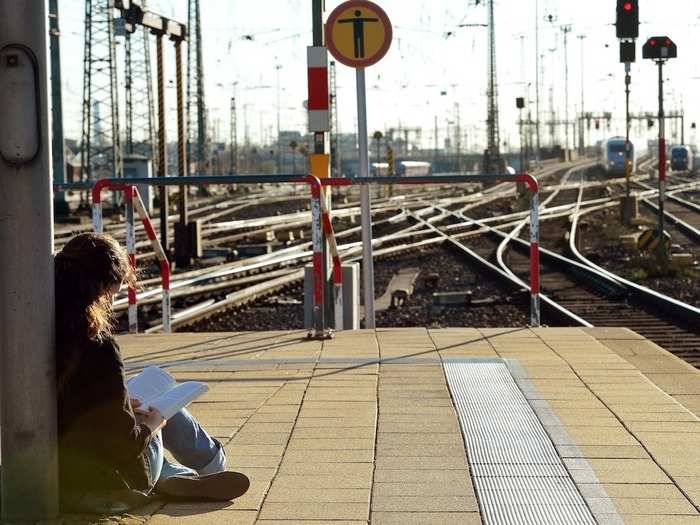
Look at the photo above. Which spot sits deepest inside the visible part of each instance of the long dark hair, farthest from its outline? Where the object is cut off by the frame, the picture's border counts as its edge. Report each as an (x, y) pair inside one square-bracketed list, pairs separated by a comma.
[(87, 267)]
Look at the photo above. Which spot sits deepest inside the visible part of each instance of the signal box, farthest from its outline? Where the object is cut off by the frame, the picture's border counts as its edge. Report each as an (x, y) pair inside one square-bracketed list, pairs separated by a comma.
[(628, 52)]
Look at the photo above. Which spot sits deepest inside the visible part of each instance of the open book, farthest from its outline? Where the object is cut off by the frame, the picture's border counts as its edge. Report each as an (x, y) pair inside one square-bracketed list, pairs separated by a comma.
[(156, 388)]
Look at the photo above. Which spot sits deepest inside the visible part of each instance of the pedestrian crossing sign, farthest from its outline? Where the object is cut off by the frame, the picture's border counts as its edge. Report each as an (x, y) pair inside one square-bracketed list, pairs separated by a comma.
[(358, 33)]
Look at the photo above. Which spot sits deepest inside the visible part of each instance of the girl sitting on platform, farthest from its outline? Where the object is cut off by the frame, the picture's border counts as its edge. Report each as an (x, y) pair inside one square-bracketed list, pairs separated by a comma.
[(105, 449)]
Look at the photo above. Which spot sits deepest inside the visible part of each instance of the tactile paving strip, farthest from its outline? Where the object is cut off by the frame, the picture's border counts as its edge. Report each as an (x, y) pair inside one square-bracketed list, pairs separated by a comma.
[(519, 477)]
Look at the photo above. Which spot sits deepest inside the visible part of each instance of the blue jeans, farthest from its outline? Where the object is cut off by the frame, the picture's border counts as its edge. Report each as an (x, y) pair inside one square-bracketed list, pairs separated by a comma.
[(195, 451)]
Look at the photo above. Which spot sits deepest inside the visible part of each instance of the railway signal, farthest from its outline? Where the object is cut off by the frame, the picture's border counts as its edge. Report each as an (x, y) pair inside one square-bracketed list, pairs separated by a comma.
[(627, 23), (627, 30), (660, 49)]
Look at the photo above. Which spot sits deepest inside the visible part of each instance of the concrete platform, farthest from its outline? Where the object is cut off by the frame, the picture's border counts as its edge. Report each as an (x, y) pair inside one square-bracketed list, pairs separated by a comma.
[(362, 428)]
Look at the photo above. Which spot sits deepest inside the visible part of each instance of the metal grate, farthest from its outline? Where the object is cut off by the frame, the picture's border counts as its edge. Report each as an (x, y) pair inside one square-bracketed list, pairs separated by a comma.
[(519, 477)]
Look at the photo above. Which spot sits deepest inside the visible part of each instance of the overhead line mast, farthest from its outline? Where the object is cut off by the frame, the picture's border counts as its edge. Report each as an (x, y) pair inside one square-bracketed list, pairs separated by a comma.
[(140, 107), (196, 108), (101, 151), (493, 162)]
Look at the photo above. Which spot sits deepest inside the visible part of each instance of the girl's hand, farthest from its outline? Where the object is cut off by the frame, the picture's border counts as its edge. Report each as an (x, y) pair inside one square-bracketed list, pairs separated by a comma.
[(135, 403), (153, 419)]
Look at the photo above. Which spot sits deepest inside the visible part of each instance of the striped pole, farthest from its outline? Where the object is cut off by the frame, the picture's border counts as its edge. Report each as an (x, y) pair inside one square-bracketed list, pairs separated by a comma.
[(160, 254), (318, 99), (535, 318), (317, 243), (131, 252), (337, 266), (97, 207), (162, 146), (535, 260)]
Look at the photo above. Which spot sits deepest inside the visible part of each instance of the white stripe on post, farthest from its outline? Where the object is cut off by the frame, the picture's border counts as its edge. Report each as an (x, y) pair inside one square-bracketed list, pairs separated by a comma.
[(97, 217), (535, 260)]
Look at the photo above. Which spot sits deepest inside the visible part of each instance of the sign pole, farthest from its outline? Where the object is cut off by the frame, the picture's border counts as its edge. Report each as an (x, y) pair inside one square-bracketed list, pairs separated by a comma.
[(358, 34), (365, 200)]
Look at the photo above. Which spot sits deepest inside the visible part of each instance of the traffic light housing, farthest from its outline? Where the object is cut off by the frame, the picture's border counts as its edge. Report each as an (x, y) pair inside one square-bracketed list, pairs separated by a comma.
[(659, 48), (627, 24), (520, 102)]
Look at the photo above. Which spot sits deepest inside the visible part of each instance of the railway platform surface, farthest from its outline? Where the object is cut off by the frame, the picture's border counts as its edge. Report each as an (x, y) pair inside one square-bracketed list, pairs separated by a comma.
[(362, 428)]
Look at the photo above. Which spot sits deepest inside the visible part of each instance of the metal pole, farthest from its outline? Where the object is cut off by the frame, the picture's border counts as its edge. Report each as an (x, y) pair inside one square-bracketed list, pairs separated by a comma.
[(162, 150), (581, 141), (567, 30), (534, 259), (202, 139), (279, 142), (522, 151), (628, 121), (682, 127), (365, 200), (537, 76), (57, 148), (233, 138), (181, 138), (28, 477), (131, 251), (661, 248), (320, 147)]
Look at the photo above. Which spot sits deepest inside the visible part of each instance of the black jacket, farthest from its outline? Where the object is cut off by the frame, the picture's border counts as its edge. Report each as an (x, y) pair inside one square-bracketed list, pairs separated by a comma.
[(101, 447)]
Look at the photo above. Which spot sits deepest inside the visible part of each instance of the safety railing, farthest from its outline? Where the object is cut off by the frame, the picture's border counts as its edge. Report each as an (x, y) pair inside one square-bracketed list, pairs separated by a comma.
[(321, 221), (535, 319), (320, 330), (133, 201)]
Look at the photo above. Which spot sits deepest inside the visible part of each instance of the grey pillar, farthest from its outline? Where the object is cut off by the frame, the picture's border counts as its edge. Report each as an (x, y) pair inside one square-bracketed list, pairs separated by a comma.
[(28, 477)]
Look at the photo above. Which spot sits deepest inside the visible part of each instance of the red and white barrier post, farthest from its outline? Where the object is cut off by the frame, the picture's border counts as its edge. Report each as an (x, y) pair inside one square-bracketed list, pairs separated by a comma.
[(535, 317), (133, 200), (317, 243), (131, 252), (535, 259), (162, 259), (337, 266)]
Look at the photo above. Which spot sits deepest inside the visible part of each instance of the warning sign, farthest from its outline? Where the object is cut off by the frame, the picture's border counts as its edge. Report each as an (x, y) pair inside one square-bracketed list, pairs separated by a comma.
[(358, 33)]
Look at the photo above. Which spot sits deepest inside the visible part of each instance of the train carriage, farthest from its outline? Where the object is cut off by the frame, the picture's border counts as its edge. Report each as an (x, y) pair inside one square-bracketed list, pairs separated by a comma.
[(682, 158), (613, 156)]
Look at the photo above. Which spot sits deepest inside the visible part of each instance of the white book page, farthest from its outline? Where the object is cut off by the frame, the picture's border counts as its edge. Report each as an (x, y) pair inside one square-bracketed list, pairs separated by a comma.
[(150, 384), (170, 403)]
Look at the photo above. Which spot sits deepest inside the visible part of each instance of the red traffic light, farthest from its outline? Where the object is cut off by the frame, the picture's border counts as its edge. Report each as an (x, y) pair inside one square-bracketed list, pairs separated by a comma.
[(627, 22)]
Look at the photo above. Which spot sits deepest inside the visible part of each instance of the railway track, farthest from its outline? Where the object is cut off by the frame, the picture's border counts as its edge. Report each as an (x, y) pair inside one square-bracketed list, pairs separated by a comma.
[(574, 292), (576, 288)]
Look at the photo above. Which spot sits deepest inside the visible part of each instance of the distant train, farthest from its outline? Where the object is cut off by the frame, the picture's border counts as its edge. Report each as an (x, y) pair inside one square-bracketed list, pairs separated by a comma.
[(406, 168), (613, 156), (682, 158)]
